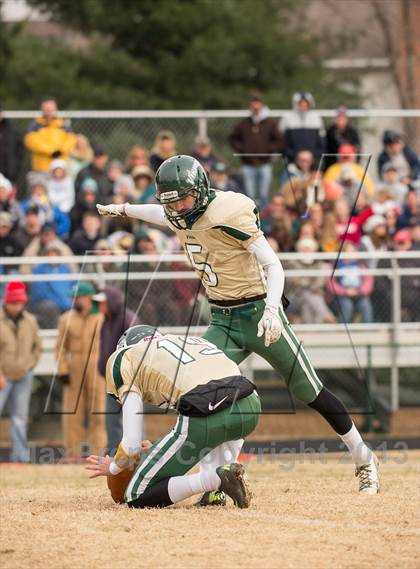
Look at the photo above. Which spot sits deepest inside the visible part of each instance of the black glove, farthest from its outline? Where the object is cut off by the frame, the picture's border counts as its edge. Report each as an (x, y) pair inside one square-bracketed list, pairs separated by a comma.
[(56, 154), (64, 378)]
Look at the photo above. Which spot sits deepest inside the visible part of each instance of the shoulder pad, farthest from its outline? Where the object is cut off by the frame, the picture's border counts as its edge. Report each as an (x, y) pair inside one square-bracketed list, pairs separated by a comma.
[(224, 209)]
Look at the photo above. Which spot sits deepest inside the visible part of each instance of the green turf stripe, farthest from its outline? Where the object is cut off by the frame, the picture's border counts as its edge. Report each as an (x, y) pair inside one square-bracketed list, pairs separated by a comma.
[(116, 370)]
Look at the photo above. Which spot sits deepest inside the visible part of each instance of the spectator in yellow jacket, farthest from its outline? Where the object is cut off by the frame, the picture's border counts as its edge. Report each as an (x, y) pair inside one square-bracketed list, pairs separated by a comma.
[(49, 137)]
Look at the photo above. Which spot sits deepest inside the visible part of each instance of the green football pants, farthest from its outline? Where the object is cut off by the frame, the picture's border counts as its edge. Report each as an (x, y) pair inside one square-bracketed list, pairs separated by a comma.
[(234, 330), (190, 441)]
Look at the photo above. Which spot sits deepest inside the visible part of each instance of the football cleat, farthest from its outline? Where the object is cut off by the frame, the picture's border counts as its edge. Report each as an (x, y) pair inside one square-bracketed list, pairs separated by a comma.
[(368, 475), (234, 483), (214, 498)]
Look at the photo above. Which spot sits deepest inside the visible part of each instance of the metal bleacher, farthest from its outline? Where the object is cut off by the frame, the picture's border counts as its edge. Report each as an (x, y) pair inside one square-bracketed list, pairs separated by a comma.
[(330, 346), (391, 345)]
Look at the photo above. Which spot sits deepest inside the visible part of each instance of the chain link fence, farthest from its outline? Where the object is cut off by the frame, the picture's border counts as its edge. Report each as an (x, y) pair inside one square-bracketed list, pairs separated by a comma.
[(118, 132)]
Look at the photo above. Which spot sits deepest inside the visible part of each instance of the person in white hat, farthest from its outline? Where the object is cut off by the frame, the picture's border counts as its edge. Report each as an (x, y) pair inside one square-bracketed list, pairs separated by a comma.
[(375, 238), (7, 201), (60, 186), (307, 293)]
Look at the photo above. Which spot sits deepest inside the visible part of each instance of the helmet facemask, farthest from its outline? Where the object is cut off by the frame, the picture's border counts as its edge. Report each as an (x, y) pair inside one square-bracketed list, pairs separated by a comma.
[(176, 179), (182, 219)]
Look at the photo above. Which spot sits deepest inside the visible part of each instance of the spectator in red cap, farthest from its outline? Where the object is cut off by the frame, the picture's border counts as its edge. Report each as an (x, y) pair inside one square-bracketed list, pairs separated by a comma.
[(349, 174), (340, 132), (348, 226), (20, 350), (402, 240)]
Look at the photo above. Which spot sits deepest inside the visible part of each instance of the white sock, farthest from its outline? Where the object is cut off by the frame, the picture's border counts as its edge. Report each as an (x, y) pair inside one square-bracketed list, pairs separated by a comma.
[(182, 487), (360, 452), (226, 453)]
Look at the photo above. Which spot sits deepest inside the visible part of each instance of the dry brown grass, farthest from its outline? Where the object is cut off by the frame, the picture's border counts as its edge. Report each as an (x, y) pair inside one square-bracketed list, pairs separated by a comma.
[(307, 516)]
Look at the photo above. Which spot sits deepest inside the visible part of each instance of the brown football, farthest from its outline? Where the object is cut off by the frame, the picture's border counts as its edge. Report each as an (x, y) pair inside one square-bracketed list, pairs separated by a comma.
[(118, 483)]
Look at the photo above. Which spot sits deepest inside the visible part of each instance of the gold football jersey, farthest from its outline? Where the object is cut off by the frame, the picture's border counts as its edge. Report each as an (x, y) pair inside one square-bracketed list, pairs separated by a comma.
[(216, 247), (163, 369)]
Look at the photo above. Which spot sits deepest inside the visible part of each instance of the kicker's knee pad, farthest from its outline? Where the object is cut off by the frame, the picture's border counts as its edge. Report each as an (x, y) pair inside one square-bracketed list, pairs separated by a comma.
[(304, 390)]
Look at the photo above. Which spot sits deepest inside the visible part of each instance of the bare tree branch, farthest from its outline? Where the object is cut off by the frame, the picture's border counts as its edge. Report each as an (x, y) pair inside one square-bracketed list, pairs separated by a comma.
[(390, 48)]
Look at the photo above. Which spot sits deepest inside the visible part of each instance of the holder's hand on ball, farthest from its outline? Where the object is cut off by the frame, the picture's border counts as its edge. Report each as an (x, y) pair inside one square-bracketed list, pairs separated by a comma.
[(99, 465)]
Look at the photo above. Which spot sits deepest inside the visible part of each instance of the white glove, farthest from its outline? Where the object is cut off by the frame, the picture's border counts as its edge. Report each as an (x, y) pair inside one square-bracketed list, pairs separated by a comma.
[(115, 210), (270, 325)]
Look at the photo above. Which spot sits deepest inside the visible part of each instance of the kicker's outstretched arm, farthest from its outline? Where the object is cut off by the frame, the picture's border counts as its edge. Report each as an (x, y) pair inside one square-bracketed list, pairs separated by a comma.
[(151, 213)]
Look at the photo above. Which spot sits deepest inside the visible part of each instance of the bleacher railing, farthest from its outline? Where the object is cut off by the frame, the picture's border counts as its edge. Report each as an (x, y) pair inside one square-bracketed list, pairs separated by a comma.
[(398, 334)]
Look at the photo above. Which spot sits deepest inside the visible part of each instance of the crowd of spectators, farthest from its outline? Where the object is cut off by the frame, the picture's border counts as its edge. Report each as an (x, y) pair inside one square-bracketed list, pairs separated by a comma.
[(318, 197), (314, 194)]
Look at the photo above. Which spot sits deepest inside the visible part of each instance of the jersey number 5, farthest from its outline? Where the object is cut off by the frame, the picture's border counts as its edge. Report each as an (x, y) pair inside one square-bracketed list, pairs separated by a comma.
[(208, 276)]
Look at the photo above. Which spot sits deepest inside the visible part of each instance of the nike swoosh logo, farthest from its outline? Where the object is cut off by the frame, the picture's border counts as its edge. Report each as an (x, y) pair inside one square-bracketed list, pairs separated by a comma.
[(213, 407)]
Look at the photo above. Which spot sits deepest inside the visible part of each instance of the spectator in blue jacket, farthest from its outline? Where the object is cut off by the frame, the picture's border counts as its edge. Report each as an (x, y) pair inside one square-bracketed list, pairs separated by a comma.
[(401, 156), (51, 298), (302, 128), (48, 214), (410, 214), (143, 191), (87, 202)]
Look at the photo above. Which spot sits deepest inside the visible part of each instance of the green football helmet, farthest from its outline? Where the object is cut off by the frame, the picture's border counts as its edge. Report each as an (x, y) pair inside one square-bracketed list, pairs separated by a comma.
[(135, 334), (177, 178)]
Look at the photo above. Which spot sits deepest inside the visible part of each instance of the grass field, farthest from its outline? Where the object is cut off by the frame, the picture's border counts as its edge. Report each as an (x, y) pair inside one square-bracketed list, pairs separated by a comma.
[(306, 514)]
